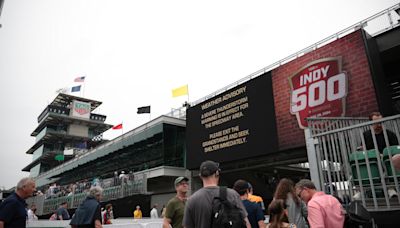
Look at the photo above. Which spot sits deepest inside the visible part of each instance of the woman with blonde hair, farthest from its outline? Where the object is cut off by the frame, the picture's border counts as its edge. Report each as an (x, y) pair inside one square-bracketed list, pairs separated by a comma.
[(297, 209), (278, 215)]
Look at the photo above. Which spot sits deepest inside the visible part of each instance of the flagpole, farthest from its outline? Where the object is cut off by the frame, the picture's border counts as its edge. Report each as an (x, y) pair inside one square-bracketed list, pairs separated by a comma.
[(83, 90), (188, 93), (122, 128)]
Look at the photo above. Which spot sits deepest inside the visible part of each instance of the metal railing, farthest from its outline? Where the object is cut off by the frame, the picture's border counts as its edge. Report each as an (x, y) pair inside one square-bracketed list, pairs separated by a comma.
[(53, 109), (324, 124), (177, 113), (353, 159), (125, 188), (374, 25)]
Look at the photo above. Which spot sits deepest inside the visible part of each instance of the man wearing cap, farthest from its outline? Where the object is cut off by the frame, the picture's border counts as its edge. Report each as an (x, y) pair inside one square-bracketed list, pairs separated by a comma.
[(199, 206), (254, 211), (176, 206)]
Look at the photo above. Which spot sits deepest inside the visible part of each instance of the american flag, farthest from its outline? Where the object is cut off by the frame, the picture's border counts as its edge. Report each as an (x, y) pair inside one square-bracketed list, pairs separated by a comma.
[(79, 79)]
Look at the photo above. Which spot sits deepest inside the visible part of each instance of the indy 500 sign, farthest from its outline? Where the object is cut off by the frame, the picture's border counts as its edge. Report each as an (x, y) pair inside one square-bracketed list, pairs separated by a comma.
[(318, 89)]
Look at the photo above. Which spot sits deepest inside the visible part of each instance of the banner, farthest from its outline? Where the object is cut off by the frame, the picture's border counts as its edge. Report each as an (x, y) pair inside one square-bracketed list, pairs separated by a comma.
[(318, 89)]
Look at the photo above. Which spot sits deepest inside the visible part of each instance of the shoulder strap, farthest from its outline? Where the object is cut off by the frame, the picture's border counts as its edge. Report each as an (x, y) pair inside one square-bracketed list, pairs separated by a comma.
[(222, 193)]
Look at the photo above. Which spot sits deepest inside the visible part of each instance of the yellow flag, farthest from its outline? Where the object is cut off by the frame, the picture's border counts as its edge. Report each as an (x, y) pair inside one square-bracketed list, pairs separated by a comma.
[(183, 90)]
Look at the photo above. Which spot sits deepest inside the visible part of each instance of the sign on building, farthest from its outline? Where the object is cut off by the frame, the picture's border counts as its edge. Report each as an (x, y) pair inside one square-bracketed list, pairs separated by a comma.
[(318, 89), (234, 125), (81, 109)]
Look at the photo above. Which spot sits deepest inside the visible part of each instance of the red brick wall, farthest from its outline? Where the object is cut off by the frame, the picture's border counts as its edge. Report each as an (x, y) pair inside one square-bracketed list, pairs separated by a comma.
[(360, 100)]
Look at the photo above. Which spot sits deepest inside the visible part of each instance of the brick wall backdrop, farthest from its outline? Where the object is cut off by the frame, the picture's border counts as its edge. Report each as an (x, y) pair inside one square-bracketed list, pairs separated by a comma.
[(360, 100)]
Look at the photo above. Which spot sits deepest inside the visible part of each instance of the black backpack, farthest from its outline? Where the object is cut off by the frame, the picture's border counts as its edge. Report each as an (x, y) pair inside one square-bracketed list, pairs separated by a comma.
[(224, 213), (357, 215)]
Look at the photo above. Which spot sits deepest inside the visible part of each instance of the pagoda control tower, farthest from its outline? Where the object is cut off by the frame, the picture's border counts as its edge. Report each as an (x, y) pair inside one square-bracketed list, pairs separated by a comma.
[(67, 127)]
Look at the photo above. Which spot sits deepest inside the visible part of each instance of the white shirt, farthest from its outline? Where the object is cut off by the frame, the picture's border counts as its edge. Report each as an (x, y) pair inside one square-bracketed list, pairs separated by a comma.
[(32, 216), (102, 216), (153, 213)]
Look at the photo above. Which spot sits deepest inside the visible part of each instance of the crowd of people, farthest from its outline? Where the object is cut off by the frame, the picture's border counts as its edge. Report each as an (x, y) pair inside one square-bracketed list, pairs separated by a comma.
[(55, 190), (294, 205), (298, 205)]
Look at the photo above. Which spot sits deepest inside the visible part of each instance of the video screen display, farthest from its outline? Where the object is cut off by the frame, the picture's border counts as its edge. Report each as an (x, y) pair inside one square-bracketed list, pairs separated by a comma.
[(237, 124)]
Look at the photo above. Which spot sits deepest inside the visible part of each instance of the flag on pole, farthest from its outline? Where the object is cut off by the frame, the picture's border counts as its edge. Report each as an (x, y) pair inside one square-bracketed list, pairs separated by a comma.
[(144, 109), (80, 79), (183, 90), (62, 90), (116, 127), (97, 138), (76, 88)]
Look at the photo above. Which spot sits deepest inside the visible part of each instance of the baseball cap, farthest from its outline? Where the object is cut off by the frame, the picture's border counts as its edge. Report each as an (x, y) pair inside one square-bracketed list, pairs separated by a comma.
[(180, 179), (208, 168), (241, 186)]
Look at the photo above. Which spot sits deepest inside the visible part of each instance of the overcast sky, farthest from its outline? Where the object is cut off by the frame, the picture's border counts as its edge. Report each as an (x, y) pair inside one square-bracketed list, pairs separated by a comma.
[(134, 52)]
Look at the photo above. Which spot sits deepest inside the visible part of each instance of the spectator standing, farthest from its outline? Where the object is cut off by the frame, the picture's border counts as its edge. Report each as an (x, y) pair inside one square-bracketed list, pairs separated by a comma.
[(198, 209), (62, 212), (13, 208), (137, 214), (123, 177), (116, 179), (163, 211), (131, 177), (153, 212), (278, 215), (254, 211), (323, 210), (254, 198), (108, 215), (32, 213), (103, 214), (297, 209), (173, 213), (88, 214), (52, 190)]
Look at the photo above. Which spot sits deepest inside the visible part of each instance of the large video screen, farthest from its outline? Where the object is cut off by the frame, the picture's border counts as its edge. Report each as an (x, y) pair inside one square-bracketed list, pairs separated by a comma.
[(237, 124)]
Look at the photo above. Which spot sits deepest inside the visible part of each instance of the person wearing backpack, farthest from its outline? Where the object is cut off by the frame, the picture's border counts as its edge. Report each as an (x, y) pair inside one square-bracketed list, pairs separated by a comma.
[(214, 206)]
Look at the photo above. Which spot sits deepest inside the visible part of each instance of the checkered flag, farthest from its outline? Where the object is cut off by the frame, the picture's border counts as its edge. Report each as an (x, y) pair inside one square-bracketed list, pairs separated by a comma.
[(97, 138)]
